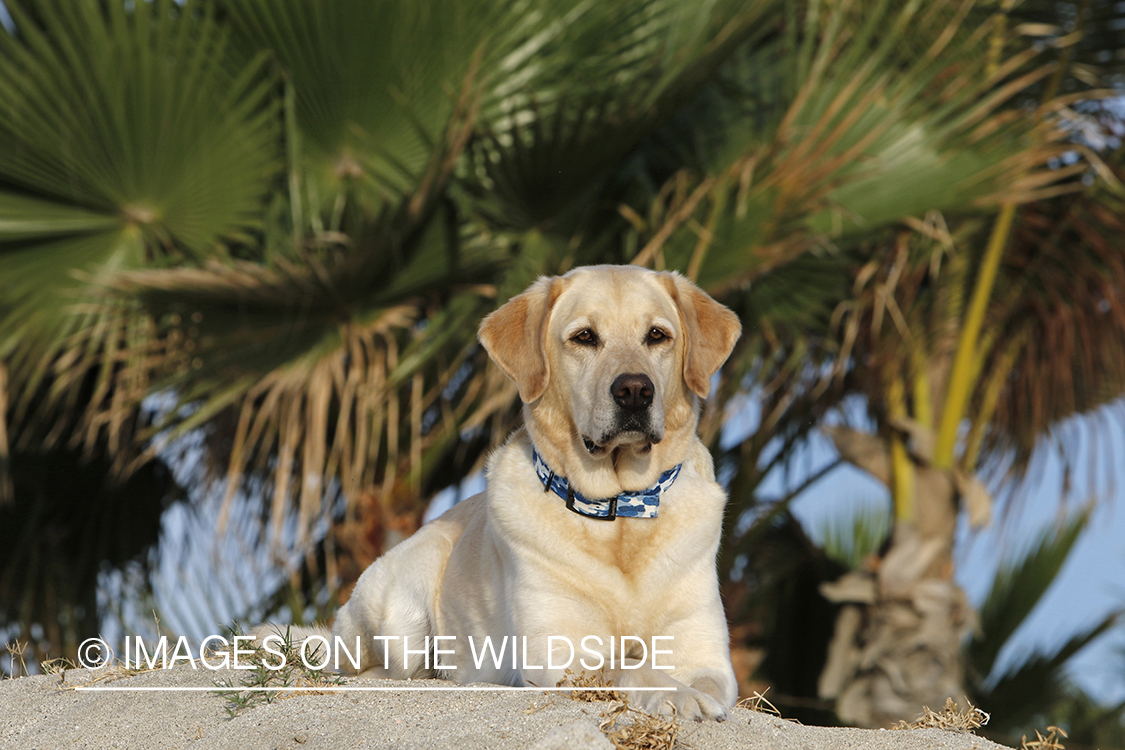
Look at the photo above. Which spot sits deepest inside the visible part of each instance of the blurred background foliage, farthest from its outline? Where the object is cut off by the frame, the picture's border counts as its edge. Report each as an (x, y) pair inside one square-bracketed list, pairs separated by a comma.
[(245, 246)]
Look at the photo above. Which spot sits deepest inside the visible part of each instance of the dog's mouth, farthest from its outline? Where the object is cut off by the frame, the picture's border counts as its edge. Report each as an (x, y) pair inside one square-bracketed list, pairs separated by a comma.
[(639, 441)]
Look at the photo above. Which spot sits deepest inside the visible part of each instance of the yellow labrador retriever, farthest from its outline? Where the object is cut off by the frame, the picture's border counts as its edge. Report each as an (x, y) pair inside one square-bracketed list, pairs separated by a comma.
[(594, 544)]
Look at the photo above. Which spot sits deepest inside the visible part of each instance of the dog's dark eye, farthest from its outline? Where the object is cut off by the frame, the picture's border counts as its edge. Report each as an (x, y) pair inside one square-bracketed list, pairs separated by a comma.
[(656, 336), (585, 337)]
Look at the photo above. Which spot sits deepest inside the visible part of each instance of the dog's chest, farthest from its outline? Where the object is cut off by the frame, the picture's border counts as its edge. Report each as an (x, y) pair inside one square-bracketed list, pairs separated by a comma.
[(537, 526), (631, 546)]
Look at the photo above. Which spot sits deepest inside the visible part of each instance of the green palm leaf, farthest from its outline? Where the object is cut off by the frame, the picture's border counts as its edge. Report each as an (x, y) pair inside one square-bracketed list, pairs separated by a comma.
[(127, 142), (133, 115), (1018, 587), (606, 79), (1031, 686), (875, 131), (369, 105), (315, 354)]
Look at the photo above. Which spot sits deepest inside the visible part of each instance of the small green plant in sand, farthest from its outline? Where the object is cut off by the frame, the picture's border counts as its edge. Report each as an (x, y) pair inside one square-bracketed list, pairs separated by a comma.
[(288, 671), (951, 717)]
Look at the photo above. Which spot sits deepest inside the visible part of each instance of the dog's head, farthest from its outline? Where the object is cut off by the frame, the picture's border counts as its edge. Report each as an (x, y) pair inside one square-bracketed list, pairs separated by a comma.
[(610, 361)]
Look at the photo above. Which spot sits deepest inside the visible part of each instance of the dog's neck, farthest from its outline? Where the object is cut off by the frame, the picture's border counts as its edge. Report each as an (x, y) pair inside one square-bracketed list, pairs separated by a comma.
[(607, 475), (642, 504)]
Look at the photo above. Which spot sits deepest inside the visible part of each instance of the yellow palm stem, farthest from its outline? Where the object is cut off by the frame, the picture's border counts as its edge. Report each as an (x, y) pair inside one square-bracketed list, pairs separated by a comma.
[(961, 379), (923, 405), (902, 470)]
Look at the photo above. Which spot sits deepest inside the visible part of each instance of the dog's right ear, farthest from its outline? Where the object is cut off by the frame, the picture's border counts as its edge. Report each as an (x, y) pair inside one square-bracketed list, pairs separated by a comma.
[(515, 337)]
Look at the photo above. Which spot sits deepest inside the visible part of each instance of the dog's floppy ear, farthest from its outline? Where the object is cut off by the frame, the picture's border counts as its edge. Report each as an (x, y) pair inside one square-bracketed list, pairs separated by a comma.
[(515, 337), (711, 329)]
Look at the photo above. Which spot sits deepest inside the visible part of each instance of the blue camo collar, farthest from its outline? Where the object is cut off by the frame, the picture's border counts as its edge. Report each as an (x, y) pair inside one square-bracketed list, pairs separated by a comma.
[(642, 504)]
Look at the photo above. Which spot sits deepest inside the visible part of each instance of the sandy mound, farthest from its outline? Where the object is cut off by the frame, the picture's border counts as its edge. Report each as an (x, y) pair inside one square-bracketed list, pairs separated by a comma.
[(45, 713)]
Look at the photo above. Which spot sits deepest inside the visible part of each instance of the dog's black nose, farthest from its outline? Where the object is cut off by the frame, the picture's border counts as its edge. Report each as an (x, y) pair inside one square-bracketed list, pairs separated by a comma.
[(632, 392)]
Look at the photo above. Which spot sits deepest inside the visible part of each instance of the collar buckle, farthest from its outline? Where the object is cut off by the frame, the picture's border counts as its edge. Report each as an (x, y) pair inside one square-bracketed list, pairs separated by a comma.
[(611, 511)]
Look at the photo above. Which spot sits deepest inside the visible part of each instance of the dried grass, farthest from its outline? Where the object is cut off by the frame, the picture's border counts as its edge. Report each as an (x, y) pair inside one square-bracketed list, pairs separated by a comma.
[(534, 708), (626, 726), (17, 667), (758, 702), (58, 665), (116, 670), (587, 681), (1050, 742), (951, 717), (642, 731)]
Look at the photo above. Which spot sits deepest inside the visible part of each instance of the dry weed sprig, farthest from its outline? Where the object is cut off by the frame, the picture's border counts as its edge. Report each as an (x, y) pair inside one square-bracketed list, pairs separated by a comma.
[(758, 702), (1050, 742), (585, 680), (644, 732), (534, 708), (114, 671), (951, 717), (16, 651), (57, 665)]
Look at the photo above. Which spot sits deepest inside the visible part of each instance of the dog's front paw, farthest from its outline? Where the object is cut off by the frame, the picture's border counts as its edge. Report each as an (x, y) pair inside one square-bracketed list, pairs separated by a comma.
[(685, 703)]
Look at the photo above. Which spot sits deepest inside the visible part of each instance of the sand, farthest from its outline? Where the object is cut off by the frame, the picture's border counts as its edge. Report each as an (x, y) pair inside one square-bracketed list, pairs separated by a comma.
[(46, 712)]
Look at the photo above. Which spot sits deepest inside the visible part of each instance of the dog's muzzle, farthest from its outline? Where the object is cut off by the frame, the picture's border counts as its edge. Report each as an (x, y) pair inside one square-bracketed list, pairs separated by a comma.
[(633, 394)]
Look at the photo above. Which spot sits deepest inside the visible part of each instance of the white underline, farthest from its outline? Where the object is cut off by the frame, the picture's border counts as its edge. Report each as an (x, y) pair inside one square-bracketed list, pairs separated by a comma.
[(344, 689)]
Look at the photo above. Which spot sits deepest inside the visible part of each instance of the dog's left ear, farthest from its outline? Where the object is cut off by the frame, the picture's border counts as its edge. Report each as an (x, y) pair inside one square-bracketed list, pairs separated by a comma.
[(711, 329), (515, 337)]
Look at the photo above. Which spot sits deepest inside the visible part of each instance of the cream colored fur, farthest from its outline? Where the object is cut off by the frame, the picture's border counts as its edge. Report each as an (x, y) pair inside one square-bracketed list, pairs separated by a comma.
[(513, 561)]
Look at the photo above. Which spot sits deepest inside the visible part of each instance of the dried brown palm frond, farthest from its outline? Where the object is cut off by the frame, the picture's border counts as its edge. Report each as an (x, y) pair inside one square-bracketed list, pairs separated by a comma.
[(338, 365), (1054, 340), (86, 191), (1060, 349)]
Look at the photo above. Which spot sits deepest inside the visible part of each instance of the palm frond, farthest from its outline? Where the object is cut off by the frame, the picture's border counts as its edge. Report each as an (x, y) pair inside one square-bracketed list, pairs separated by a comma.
[(1018, 587), (128, 142), (1036, 682), (1062, 298), (327, 360), (1091, 31), (607, 78), (70, 521), (871, 135), (130, 114), (370, 102)]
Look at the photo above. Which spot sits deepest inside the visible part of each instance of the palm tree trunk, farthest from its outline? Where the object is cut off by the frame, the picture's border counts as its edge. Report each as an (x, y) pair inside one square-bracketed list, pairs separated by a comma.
[(898, 639)]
